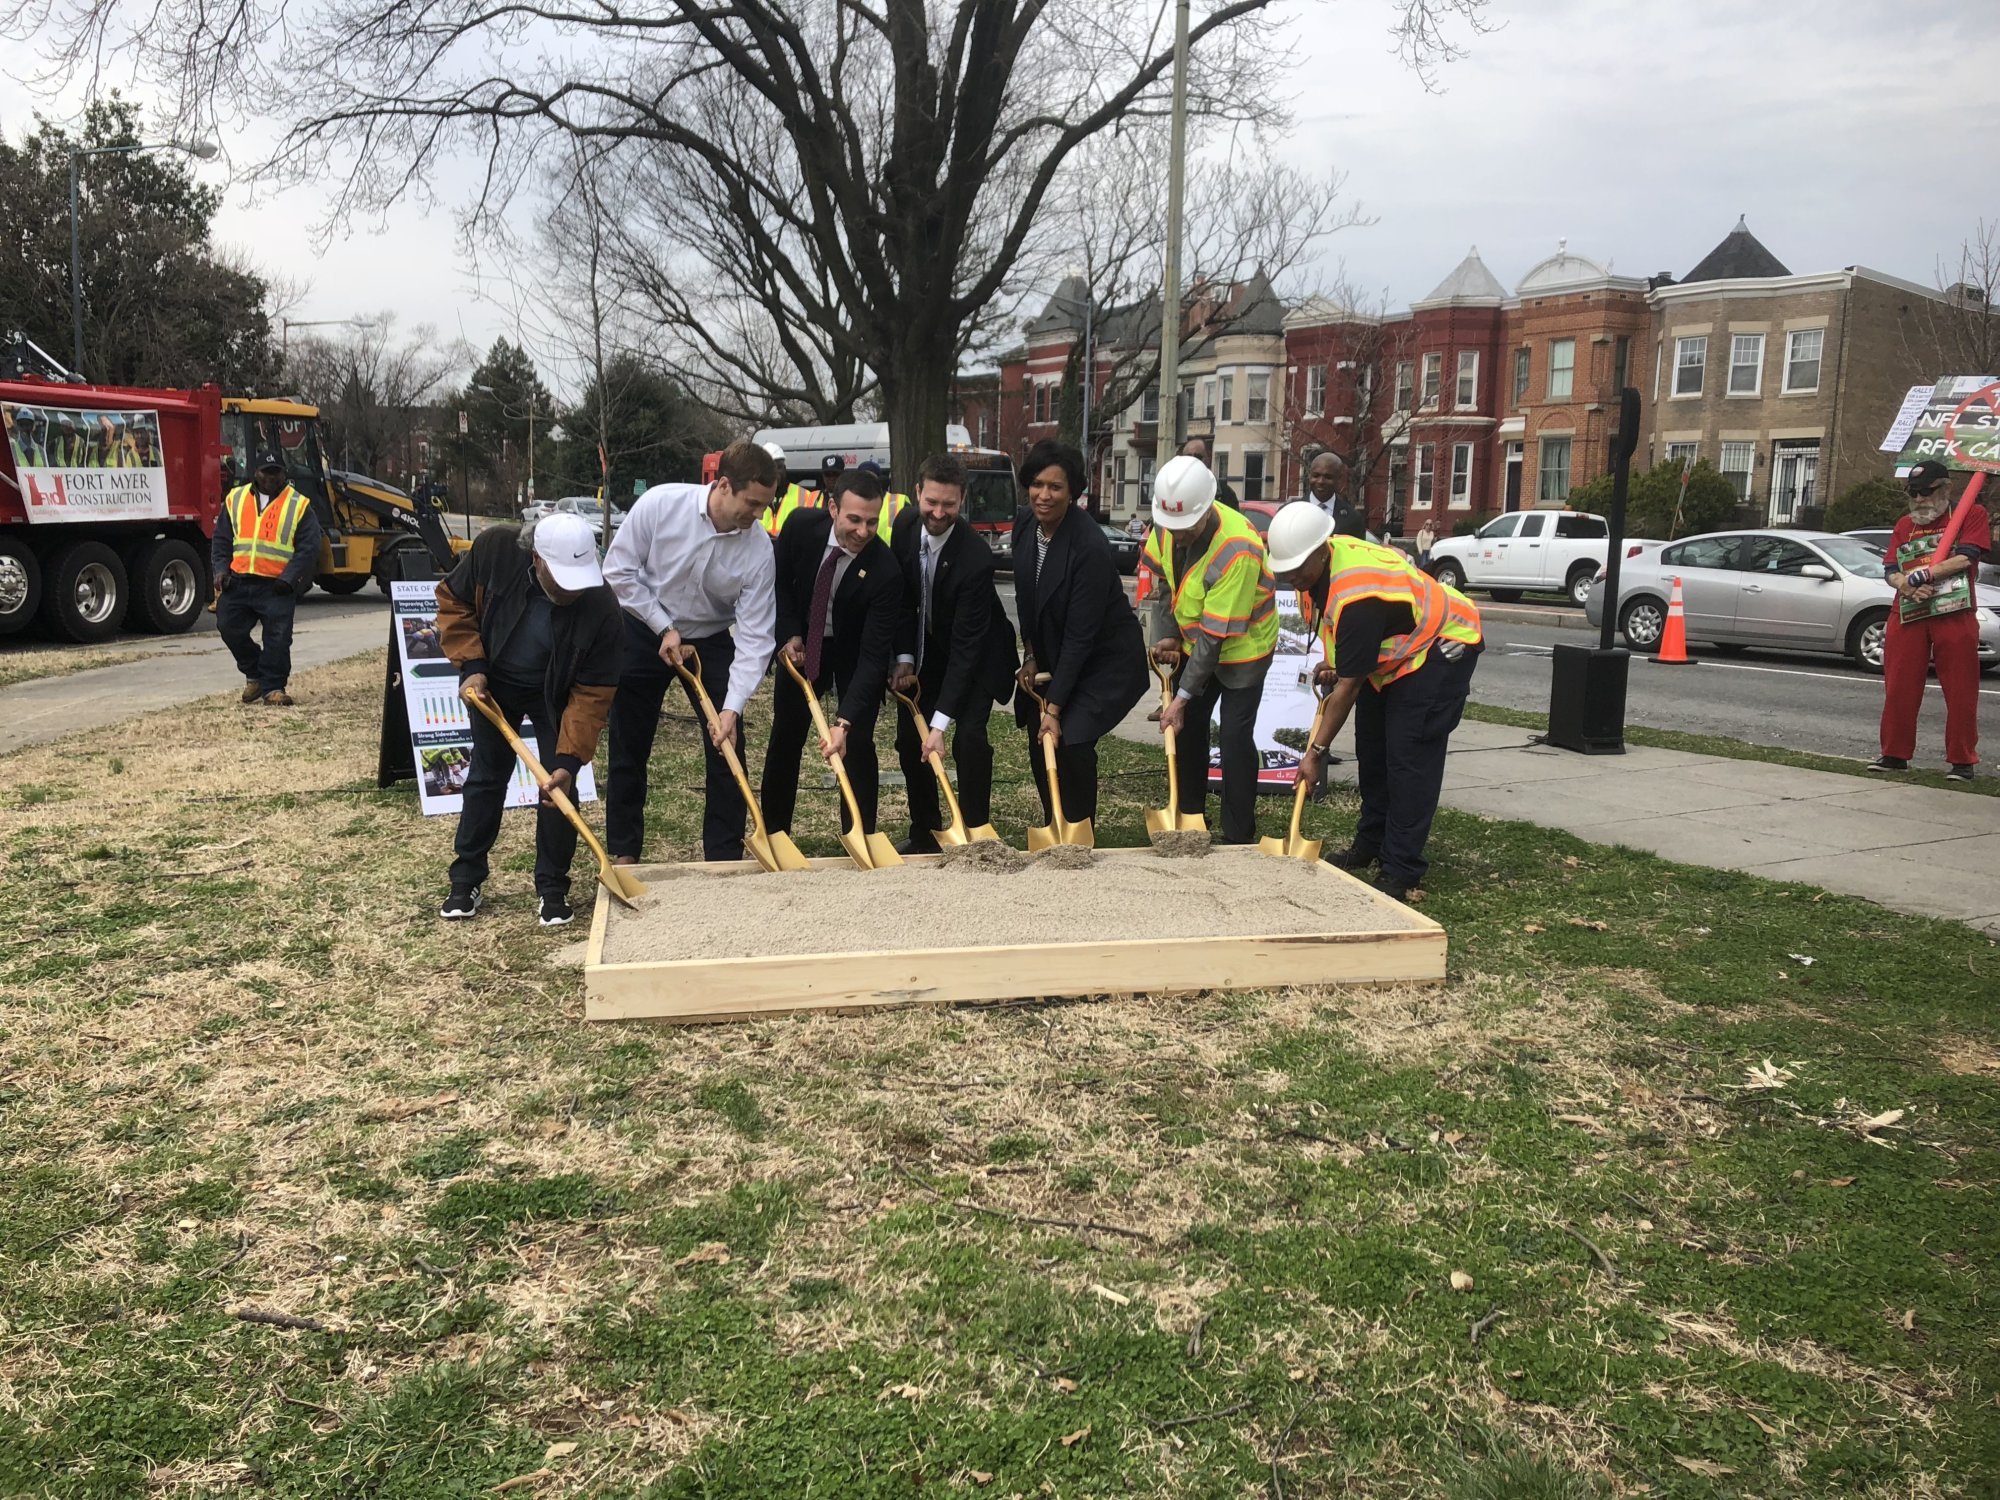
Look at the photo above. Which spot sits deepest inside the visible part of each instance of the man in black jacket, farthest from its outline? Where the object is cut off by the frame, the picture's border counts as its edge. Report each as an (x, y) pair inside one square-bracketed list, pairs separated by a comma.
[(839, 595), (527, 620), (954, 650)]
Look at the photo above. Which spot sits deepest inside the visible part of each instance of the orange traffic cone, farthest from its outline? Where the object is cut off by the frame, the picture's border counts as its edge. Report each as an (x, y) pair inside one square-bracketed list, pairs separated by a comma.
[(1673, 639)]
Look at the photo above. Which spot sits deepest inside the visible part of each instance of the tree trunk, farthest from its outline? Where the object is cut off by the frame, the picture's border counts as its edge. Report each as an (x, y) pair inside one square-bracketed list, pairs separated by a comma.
[(916, 402)]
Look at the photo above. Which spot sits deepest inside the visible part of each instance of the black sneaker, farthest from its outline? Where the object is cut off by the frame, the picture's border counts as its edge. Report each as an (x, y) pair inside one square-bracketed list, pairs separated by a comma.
[(1959, 772), (1393, 888), (1888, 763), (554, 911), (925, 845), (1352, 858), (460, 904)]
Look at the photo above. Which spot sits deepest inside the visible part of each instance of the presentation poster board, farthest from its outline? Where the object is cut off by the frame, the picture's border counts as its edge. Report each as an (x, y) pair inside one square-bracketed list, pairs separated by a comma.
[(440, 722), (1285, 714)]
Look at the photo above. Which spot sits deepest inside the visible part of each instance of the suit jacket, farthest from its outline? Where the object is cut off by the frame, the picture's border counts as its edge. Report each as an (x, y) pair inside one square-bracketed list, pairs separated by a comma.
[(969, 654), (1078, 625), (867, 607)]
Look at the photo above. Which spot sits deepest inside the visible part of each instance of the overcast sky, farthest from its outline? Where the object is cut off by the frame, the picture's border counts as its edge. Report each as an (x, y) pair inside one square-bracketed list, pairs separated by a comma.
[(1637, 129)]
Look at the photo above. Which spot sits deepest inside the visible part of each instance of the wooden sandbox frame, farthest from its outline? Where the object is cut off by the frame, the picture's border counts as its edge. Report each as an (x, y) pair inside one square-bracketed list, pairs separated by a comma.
[(1412, 951)]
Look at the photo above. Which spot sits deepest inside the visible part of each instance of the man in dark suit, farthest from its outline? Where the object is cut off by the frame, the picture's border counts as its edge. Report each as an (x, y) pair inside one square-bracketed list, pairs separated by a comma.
[(840, 596), (954, 651)]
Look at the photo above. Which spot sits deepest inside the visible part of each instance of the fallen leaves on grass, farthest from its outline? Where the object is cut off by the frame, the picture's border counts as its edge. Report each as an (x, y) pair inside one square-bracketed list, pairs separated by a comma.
[(1769, 1077), (1589, 925), (713, 1254), (1461, 1281), (1117, 1298), (1704, 1468), (522, 1481), (1076, 1437)]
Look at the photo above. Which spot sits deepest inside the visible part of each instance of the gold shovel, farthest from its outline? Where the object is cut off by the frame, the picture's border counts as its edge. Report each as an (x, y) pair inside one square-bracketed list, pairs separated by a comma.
[(1060, 829), (774, 851), (625, 887), (1170, 817), (871, 851), (1291, 846), (957, 832)]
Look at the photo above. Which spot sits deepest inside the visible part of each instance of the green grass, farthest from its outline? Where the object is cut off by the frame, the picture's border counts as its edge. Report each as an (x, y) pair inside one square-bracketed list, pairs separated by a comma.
[(1715, 744), (1209, 1239)]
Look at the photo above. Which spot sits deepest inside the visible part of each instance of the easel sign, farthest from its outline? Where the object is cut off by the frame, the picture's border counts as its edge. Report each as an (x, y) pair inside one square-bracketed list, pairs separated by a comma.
[(440, 725)]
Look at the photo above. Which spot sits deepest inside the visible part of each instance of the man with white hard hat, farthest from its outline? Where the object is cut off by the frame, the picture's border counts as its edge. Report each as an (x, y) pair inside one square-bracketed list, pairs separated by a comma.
[(526, 618), (788, 497), (1214, 618), (1400, 649)]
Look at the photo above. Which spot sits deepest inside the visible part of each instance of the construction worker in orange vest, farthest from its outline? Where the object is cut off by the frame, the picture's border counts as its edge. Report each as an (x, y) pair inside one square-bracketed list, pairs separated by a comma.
[(264, 553), (1400, 648)]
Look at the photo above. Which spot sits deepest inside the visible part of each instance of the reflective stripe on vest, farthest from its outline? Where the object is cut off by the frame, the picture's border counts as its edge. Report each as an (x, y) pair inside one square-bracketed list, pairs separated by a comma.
[(791, 498), (1363, 570), (1227, 593), (892, 506), (263, 541)]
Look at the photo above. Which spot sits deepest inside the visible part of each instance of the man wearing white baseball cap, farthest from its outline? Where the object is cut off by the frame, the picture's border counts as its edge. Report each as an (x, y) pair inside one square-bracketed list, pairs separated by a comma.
[(1216, 620), (528, 622)]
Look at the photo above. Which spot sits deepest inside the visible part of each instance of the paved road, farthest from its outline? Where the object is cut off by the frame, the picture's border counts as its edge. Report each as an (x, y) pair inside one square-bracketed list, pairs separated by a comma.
[(174, 669), (1798, 701)]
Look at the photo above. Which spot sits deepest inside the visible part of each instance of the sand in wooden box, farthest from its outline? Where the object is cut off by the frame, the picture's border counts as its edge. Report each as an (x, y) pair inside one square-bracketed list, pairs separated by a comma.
[(722, 941)]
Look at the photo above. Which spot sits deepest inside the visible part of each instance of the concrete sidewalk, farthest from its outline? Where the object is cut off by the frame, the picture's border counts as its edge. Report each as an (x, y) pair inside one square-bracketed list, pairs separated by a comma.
[(1913, 849), (177, 670)]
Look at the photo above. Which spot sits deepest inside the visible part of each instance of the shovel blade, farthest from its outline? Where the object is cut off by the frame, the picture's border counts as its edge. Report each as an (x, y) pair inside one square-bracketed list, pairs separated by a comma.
[(775, 852), (1160, 820), (1041, 838), (625, 887), (954, 835), (984, 833), (1275, 847), (881, 853), (1083, 835), (1191, 823), (857, 850), (1290, 848)]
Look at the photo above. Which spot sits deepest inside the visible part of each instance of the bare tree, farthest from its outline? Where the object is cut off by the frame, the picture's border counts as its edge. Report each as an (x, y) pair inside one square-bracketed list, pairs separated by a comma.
[(372, 388), (1358, 418), (912, 144), (1970, 325)]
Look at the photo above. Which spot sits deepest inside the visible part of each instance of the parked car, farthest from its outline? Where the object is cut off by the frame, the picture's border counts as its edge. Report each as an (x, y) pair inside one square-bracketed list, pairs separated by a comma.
[(592, 510), (1558, 551), (1987, 584), (534, 510), (1790, 590), (1124, 547)]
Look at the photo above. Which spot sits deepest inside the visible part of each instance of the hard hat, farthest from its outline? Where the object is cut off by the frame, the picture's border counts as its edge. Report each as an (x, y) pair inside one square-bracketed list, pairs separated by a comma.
[(1183, 492), (1297, 531), (777, 454)]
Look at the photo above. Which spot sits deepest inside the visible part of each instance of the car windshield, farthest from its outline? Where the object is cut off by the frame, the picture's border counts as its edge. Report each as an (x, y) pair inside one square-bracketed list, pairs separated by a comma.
[(1853, 554)]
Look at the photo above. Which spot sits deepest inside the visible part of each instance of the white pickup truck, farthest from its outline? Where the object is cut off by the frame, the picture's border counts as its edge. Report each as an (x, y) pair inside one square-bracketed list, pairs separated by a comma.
[(1557, 551)]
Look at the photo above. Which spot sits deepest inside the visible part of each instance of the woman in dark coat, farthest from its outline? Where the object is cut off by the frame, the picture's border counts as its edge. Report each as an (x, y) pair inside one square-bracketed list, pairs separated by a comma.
[(1076, 625)]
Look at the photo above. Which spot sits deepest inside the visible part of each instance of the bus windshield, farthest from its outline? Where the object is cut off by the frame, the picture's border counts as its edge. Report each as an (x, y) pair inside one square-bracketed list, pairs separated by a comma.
[(990, 498)]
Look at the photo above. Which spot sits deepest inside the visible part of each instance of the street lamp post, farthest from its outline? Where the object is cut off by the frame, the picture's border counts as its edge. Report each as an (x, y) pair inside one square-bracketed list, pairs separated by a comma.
[(200, 150), (1170, 299), (508, 412)]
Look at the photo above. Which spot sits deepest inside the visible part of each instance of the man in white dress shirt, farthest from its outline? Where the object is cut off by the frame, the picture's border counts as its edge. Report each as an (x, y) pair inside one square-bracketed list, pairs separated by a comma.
[(689, 563)]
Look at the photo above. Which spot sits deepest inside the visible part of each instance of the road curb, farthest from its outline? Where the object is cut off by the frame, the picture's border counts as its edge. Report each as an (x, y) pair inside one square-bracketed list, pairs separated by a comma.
[(1559, 619)]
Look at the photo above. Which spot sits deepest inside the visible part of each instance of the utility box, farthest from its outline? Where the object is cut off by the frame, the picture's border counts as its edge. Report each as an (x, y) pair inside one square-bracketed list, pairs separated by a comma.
[(1587, 699)]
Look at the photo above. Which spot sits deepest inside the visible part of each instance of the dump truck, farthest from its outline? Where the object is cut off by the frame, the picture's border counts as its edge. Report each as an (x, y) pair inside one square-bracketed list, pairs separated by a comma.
[(109, 494)]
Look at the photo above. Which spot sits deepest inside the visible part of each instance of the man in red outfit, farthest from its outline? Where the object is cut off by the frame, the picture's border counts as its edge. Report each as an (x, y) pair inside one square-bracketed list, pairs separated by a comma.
[(1934, 622)]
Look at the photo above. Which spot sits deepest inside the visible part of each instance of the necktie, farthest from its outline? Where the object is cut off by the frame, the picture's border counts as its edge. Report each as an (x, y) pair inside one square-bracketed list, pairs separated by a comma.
[(930, 569), (816, 624)]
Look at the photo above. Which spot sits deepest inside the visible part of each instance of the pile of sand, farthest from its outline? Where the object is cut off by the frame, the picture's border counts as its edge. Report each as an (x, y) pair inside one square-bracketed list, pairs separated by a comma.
[(985, 856), (956, 903), (1182, 843)]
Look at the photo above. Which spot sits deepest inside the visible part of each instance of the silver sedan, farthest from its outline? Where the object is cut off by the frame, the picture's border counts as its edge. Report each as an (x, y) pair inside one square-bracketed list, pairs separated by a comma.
[(1785, 590)]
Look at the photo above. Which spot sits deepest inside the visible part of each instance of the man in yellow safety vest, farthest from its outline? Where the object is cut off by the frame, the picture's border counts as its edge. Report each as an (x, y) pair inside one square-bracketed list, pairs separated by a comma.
[(893, 504), (264, 553), (1212, 615), (1400, 649), (788, 497)]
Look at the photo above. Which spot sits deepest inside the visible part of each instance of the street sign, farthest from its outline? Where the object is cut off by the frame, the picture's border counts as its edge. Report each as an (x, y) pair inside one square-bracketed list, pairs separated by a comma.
[(463, 425)]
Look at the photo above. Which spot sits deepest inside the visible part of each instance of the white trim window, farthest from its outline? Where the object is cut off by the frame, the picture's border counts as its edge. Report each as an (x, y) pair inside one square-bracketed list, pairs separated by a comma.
[(1208, 398), (1738, 462), (1461, 476), (1523, 361), (1228, 398), (1405, 384), (1222, 466), (1690, 364), (1468, 379), (1315, 390), (1426, 476), (1562, 369), (1554, 472), (1433, 380), (1746, 363), (1683, 453), (1257, 401), (1802, 358), (1253, 474)]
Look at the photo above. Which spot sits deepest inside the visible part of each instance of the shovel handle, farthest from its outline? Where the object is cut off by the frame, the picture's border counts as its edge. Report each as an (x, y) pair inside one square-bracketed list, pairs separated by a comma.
[(1298, 809), (728, 747), (936, 761), (819, 722), (554, 793)]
